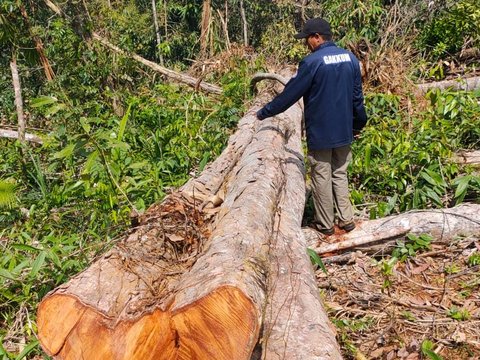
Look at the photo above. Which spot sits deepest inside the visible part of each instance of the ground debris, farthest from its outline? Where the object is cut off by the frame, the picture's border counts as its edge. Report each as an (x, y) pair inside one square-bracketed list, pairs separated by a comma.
[(385, 309)]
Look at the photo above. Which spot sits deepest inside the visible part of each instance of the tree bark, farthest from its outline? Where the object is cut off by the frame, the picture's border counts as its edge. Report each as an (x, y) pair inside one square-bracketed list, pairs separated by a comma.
[(176, 76), (469, 84), (223, 20), (11, 134), (205, 27), (207, 299), (18, 99), (442, 224), (468, 157), (244, 23), (157, 31)]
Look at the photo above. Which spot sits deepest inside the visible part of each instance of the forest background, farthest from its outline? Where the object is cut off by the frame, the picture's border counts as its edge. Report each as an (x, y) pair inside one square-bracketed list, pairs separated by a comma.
[(117, 136)]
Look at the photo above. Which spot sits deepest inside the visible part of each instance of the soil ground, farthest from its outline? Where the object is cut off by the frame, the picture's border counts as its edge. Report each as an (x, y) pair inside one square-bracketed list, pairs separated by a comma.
[(384, 309)]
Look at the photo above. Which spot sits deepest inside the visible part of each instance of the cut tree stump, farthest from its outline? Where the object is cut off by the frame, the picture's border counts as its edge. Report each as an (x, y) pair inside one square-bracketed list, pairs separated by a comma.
[(217, 269)]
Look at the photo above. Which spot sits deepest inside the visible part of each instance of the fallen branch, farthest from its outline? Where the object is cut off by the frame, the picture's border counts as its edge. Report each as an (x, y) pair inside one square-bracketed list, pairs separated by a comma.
[(12, 134), (468, 157), (182, 78), (265, 76), (362, 240), (442, 224), (468, 84)]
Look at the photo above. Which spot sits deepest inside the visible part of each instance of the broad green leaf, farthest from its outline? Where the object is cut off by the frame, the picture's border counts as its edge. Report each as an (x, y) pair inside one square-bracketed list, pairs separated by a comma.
[(316, 259), (42, 101), (54, 109), (66, 152), (7, 274), (25, 247), (37, 264), (462, 185), (123, 123), (27, 350)]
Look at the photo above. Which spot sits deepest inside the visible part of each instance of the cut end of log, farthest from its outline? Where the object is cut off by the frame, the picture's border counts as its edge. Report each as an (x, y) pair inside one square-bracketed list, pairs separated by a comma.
[(222, 325)]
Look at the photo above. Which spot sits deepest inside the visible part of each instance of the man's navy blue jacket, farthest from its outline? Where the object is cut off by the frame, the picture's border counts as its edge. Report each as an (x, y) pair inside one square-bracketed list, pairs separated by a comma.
[(330, 82)]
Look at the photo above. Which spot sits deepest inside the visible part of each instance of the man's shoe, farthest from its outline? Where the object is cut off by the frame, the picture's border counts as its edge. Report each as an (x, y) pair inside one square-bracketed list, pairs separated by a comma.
[(327, 232), (348, 226)]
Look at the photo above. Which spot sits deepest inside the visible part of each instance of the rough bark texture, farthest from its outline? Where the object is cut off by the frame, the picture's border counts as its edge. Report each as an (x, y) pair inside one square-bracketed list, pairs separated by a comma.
[(205, 26), (18, 99), (157, 31), (471, 157), (12, 134), (470, 84), (176, 76), (442, 224), (179, 287), (296, 325)]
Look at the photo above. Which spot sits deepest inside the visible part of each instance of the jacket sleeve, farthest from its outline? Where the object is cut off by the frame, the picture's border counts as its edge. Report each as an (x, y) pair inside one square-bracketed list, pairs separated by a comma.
[(293, 91), (359, 114)]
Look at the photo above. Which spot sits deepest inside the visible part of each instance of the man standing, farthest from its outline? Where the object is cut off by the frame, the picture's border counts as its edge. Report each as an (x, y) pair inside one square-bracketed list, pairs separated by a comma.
[(330, 82)]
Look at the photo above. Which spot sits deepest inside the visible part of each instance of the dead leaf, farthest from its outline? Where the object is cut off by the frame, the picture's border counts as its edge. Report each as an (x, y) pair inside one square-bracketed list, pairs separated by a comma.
[(420, 269), (413, 356), (174, 237)]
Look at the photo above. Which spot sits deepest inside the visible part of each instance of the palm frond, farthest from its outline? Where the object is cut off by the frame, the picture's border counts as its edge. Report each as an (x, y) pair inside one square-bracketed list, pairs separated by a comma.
[(7, 194)]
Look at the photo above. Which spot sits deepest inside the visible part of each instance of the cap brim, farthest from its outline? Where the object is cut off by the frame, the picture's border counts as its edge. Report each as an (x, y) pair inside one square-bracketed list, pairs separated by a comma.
[(300, 35)]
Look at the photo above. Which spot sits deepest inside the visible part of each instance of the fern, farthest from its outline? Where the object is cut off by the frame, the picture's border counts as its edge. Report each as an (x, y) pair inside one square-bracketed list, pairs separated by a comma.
[(7, 194)]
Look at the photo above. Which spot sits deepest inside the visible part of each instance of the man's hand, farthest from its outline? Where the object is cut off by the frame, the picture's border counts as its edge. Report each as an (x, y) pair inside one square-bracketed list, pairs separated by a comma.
[(260, 115)]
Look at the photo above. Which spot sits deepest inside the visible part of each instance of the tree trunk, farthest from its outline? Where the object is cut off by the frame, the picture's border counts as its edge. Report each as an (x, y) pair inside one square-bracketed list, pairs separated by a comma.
[(468, 157), (205, 27), (182, 78), (244, 23), (182, 286), (157, 31), (18, 99), (469, 84), (442, 224), (11, 134)]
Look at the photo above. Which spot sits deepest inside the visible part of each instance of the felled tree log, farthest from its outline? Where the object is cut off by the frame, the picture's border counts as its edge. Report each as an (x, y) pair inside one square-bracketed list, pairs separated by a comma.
[(179, 287), (12, 134), (471, 157), (441, 224), (295, 322), (470, 84)]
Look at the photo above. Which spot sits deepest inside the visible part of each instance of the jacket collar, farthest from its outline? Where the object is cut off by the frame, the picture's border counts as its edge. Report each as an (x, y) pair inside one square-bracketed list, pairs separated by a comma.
[(324, 45)]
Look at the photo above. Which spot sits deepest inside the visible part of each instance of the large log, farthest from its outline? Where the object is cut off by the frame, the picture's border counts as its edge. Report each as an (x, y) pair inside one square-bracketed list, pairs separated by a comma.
[(469, 84), (295, 321), (12, 134), (179, 287), (441, 224)]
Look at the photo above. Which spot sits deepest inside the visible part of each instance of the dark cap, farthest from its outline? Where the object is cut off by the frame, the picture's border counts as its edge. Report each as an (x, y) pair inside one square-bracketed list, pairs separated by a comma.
[(314, 26)]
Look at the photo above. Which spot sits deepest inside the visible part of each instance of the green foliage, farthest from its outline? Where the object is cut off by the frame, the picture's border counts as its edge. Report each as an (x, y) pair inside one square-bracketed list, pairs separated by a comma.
[(316, 260), (474, 259), (386, 268), (405, 162), (459, 314), (449, 30), (354, 19), (7, 193), (427, 350), (404, 250)]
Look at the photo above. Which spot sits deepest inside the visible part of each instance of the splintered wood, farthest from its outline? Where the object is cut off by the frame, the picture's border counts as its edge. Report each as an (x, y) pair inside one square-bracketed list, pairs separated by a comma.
[(215, 271)]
